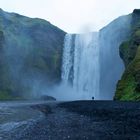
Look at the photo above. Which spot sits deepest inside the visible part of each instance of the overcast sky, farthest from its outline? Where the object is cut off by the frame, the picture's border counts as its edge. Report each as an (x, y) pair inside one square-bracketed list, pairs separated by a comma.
[(73, 15)]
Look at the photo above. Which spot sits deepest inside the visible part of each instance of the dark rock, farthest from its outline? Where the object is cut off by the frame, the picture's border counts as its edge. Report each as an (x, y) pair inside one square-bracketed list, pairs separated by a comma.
[(30, 54), (128, 87), (43, 108), (47, 98)]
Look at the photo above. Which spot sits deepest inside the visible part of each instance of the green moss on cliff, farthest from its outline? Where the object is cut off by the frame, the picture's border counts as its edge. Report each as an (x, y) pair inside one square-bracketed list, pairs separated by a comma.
[(124, 52), (5, 95), (137, 33), (128, 86), (30, 55)]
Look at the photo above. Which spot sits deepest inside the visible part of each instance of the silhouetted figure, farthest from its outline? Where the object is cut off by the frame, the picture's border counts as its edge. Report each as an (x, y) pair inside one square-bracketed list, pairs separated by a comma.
[(92, 98)]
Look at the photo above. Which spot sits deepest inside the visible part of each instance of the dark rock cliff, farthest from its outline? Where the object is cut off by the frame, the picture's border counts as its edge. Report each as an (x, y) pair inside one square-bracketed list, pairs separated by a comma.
[(30, 55), (128, 87)]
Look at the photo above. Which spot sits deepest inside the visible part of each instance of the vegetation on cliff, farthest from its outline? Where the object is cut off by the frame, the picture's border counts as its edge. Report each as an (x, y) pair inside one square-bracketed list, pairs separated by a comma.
[(30, 55), (128, 88)]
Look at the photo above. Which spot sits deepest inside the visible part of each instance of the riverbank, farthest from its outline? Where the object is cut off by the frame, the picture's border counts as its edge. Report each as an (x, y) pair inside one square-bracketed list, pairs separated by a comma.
[(84, 120)]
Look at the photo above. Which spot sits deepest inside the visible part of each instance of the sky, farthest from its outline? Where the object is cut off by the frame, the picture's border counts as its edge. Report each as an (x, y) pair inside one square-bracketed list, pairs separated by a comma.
[(73, 16)]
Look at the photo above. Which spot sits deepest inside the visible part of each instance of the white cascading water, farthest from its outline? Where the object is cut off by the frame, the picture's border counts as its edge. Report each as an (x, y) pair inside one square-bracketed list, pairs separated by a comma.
[(81, 61), (91, 62), (67, 58)]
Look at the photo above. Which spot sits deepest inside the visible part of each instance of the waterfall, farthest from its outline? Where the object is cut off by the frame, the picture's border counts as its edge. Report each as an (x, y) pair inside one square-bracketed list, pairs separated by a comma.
[(81, 62), (67, 58), (91, 62)]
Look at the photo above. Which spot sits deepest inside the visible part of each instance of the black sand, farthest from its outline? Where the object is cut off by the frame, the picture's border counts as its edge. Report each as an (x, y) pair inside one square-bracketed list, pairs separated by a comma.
[(84, 120)]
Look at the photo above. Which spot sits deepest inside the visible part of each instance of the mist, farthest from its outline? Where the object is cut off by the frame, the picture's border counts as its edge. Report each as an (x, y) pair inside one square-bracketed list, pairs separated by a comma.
[(71, 16)]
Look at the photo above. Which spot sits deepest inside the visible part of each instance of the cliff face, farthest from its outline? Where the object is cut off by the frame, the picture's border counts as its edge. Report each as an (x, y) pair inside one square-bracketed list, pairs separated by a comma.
[(111, 65), (30, 55), (128, 87)]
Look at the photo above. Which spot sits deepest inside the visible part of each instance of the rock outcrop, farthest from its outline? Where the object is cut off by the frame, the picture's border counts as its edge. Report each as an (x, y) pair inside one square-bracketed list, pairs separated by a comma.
[(128, 88), (30, 55)]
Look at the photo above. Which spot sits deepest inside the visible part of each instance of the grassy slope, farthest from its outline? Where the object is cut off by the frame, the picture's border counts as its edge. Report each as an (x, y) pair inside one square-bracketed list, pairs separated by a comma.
[(128, 88), (30, 51)]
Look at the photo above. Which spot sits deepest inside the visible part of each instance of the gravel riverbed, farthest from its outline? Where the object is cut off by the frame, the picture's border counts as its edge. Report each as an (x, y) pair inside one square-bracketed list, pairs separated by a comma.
[(78, 120)]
